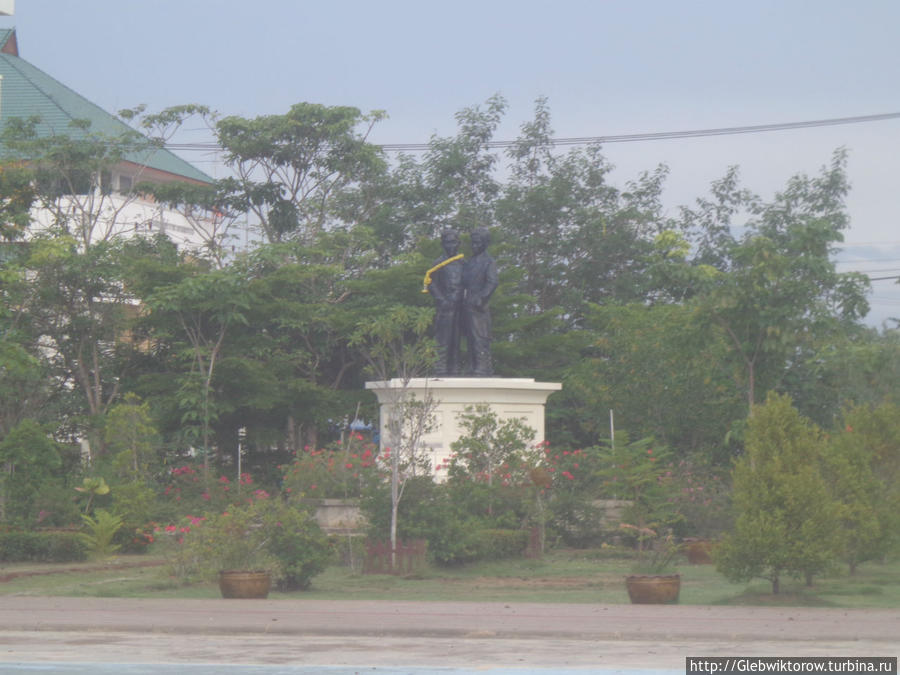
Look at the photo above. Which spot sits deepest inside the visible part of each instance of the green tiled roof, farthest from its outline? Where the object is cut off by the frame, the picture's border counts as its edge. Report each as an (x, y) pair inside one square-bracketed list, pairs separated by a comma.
[(26, 91)]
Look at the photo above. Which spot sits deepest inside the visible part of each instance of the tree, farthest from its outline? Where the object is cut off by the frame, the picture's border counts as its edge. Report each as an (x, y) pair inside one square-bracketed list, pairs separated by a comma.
[(773, 286), (661, 371), (865, 477), (204, 307), (17, 196), (28, 460), (571, 236), (290, 168), (396, 348), (76, 314), (786, 520), (71, 175), (129, 434)]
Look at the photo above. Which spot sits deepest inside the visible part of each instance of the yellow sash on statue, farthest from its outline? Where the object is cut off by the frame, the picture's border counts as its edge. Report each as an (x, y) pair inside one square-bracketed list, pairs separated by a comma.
[(426, 282)]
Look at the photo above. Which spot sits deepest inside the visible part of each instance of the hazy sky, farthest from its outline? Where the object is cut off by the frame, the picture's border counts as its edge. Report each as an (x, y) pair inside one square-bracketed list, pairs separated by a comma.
[(607, 67)]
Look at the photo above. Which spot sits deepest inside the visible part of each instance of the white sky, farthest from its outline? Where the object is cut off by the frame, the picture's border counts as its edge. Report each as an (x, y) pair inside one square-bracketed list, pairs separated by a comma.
[(607, 67)]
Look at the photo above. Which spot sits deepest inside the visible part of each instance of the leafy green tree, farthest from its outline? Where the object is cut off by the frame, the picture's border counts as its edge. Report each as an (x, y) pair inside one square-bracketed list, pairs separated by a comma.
[(770, 284), (203, 308), (396, 348), (661, 371), (29, 459), (78, 310), (858, 493), (23, 389), (290, 168), (571, 236), (130, 435), (17, 196), (857, 365), (71, 174), (870, 445), (785, 517)]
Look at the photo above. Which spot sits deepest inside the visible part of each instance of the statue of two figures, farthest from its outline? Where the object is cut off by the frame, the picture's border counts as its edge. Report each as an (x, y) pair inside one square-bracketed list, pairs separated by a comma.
[(462, 289)]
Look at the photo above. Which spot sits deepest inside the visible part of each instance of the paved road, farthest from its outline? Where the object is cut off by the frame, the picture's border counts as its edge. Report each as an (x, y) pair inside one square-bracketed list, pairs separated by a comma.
[(378, 636)]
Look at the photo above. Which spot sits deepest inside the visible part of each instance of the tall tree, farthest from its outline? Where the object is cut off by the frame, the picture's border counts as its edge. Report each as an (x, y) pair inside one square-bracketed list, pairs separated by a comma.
[(291, 168), (662, 373), (771, 285), (203, 309), (572, 237)]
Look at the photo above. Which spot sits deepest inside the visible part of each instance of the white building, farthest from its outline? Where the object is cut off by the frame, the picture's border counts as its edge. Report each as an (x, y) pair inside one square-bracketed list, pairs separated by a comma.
[(106, 207)]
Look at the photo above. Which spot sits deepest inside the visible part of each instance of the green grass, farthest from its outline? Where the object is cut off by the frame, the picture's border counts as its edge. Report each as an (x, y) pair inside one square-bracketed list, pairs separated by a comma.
[(561, 576)]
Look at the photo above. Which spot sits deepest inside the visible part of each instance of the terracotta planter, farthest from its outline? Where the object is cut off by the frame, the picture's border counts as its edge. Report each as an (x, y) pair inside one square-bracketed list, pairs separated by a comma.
[(244, 583), (653, 589)]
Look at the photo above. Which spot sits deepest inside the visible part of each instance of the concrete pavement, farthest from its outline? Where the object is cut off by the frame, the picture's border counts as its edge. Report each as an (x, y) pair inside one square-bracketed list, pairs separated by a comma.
[(311, 633)]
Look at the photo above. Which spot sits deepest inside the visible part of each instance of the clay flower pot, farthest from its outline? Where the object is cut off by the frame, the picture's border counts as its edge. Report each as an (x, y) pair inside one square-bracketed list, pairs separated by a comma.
[(653, 589), (244, 583)]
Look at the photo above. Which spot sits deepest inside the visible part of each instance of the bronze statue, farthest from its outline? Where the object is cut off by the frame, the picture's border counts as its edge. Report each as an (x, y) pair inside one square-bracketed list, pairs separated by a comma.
[(479, 280), (444, 282)]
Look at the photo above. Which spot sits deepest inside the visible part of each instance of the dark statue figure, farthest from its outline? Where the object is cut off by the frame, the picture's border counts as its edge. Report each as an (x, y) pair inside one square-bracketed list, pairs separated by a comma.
[(480, 280), (461, 291), (447, 290)]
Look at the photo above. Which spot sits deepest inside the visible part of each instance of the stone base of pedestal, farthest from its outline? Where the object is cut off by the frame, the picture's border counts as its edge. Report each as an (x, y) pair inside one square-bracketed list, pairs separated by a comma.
[(507, 397)]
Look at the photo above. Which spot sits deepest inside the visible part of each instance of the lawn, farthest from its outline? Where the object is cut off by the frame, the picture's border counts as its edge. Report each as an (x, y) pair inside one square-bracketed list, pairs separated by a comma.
[(561, 576)]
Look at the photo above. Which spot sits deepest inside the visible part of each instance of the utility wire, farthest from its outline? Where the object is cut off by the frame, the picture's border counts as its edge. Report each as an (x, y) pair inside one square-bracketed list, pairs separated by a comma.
[(622, 138)]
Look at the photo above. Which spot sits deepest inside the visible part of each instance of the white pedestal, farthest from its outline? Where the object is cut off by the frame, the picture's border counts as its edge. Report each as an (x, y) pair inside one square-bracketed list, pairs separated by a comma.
[(507, 397)]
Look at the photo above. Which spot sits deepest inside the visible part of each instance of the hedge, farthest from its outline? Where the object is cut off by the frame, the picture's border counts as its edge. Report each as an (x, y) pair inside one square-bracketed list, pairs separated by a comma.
[(45, 547)]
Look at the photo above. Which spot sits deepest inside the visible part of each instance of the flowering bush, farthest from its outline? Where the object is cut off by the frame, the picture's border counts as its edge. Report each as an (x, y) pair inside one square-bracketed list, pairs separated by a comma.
[(169, 540), (337, 471), (263, 533), (187, 490)]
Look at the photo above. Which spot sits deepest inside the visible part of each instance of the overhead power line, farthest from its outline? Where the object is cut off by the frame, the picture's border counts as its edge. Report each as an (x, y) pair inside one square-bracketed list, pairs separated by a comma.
[(624, 138)]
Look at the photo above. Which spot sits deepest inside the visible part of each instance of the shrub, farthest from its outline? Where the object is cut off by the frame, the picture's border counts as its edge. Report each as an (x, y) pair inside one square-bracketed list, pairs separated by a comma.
[(41, 547), (498, 544), (340, 470), (101, 528), (265, 533), (786, 521)]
